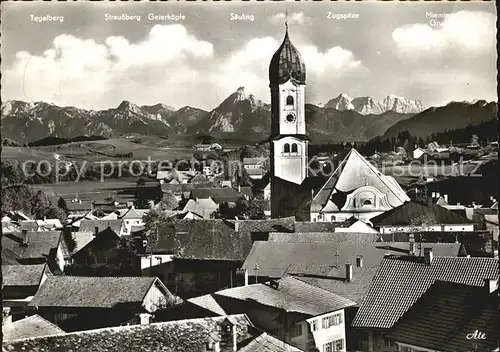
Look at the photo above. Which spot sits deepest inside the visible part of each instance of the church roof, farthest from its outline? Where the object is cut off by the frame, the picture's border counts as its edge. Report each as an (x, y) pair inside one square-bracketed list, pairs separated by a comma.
[(287, 64), (354, 172)]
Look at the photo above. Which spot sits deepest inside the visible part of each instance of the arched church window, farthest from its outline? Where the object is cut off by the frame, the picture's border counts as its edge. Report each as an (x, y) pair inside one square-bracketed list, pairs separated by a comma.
[(294, 148), (289, 100), (286, 148)]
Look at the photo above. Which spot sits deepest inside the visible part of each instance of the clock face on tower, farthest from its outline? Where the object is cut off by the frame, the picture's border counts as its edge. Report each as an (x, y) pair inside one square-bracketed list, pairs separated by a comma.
[(290, 118)]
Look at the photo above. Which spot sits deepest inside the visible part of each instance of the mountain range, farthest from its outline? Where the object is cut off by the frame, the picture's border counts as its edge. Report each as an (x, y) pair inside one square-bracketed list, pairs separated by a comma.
[(369, 105), (340, 119)]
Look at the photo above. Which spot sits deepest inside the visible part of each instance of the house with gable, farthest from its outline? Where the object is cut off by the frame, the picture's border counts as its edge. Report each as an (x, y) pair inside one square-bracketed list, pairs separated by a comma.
[(303, 315), (35, 247), (283, 254), (96, 226), (417, 216), (79, 303), (196, 257), (356, 188), (19, 285), (106, 251), (450, 317), (395, 290)]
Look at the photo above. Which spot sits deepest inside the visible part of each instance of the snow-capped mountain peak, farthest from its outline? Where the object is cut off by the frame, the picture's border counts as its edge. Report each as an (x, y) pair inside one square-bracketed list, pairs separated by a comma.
[(369, 105)]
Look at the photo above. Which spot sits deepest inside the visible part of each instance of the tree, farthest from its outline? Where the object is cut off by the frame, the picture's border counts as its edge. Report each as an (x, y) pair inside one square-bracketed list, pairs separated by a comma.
[(155, 222), (39, 203), (61, 203), (243, 209), (474, 141), (141, 182), (169, 201), (52, 212), (142, 203)]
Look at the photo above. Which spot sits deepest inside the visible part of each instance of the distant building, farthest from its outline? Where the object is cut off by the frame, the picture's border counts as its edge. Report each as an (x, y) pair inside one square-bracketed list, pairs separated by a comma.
[(416, 216), (208, 147), (418, 153)]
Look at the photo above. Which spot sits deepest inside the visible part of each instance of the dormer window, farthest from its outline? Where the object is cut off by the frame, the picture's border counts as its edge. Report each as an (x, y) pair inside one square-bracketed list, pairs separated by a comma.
[(367, 202)]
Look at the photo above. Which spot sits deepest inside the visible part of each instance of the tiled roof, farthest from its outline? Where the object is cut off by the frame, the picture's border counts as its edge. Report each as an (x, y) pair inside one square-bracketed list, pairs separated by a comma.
[(213, 239), (22, 275), (401, 281), (492, 219), (90, 225), (40, 244), (445, 314), (219, 195), (133, 213), (202, 207), (209, 303), (265, 342), (404, 214), (246, 191), (254, 161), (184, 187), (291, 295), (339, 237), (267, 225), (9, 257), (305, 226), (30, 327), (181, 335), (274, 258), (354, 172), (97, 292), (82, 239), (255, 172), (29, 225), (77, 206), (334, 281)]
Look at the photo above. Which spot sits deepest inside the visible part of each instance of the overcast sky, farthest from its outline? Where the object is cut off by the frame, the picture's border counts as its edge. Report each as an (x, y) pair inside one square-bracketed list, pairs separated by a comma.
[(391, 48)]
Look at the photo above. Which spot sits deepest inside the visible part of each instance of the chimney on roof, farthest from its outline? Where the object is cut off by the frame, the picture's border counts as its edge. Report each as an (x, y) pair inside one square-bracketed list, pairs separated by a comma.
[(428, 256), (412, 244), (359, 261), (348, 272), (445, 198), (491, 285), (430, 200), (236, 225), (7, 320), (24, 237), (145, 318), (433, 194), (96, 230), (229, 335)]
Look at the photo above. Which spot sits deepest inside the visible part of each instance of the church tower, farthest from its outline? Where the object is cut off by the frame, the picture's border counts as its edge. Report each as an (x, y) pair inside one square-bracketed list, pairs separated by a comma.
[(289, 143)]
